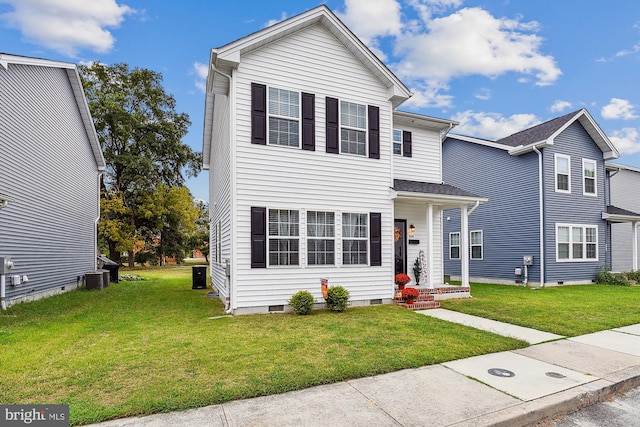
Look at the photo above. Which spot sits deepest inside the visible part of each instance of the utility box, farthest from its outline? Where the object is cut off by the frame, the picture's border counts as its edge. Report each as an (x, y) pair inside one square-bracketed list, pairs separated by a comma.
[(5, 265), (527, 260), (199, 277), (93, 280)]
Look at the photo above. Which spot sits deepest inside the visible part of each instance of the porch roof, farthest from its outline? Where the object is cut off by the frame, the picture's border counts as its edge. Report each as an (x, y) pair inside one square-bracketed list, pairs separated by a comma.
[(446, 193), (616, 214)]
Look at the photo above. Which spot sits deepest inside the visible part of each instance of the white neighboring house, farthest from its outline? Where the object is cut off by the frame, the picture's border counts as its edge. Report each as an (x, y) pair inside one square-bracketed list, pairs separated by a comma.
[(50, 167), (623, 215), (313, 172)]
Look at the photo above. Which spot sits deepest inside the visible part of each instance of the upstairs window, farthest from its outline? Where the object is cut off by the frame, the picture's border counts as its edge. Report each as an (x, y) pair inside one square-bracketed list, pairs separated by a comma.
[(320, 238), (284, 117), (284, 240), (397, 142), (353, 128), (563, 173), (589, 177), (355, 238)]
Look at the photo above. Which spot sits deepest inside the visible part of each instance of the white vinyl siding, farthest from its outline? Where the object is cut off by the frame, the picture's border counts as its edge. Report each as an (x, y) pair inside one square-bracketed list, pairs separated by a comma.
[(355, 238), (397, 142), (353, 128), (477, 248), (321, 238), (424, 163), (454, 245), (589, 177), (576, 242), (284, 240), (284, 115), (563, 173)]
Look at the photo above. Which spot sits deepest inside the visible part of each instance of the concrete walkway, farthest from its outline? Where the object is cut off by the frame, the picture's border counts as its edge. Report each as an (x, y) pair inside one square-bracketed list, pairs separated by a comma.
[(512, 388)]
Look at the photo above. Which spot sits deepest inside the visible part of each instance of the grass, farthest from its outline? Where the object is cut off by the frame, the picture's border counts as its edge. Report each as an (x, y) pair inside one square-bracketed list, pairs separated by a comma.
[(563, 310), (150, 346)]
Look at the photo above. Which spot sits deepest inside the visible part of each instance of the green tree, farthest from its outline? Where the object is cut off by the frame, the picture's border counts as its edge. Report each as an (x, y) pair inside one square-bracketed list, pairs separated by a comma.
[(199, 239), (141, 136)]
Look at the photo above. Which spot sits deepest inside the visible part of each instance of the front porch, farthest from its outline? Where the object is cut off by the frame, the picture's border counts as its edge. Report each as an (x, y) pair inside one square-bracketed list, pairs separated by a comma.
[(429, 297)]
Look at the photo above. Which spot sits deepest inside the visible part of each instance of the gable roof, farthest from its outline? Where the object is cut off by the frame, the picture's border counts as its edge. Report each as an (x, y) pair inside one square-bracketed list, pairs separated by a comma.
[(78, 92), (545, 133), (431, 188)]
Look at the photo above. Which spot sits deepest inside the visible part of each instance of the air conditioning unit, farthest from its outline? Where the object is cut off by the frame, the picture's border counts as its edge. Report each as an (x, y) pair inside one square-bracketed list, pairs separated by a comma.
[(93, 280)]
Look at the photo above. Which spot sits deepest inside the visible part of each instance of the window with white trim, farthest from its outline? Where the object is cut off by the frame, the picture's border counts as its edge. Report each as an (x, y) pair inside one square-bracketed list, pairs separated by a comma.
[(476, 244), (576, 242), (454, 245), (284, 117), (355, 238), (589, 177), (353, 128), (563, 173), (321, 238), (397, 142), (284, 240)]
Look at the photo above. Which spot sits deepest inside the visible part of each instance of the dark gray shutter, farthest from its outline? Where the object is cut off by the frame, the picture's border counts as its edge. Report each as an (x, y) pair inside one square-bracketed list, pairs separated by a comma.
[(308, 121), (374, 132), (375, 238), (406, 143), (258, 237), (333, 131), (258, 114)]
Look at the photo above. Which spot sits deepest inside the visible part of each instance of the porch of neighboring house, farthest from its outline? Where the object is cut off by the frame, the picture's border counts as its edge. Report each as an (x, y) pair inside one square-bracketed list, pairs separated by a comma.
[(418, 242), (615, 215)]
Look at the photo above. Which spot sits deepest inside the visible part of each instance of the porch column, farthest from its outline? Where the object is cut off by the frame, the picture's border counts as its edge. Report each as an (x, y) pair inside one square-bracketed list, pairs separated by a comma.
[(464, 246), (430, 283), (634, 250)]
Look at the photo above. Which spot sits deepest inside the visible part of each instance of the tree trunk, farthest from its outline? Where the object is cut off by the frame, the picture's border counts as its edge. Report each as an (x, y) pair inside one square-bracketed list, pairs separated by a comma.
[(113, 254)]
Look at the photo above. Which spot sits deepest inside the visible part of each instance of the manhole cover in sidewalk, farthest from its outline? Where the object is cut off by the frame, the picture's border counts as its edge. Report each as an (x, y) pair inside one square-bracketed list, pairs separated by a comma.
[(555, 375), (499, 372)]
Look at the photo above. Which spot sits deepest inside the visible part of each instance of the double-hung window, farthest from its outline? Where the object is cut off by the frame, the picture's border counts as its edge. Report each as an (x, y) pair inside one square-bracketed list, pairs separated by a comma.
[(284, 117), (284, 240), (320, 238), (353, 128), (397, 142), (454, 245), (563, 173), (576, 242), (589, 177), (476, 244), (355, 238)]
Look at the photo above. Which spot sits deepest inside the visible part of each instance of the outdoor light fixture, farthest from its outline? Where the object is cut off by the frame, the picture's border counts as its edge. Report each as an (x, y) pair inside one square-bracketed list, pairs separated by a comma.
[(412, 228), (4, 201)]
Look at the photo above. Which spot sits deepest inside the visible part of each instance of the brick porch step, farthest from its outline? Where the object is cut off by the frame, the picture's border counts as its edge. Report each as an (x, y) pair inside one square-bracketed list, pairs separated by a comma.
[(420, 305)]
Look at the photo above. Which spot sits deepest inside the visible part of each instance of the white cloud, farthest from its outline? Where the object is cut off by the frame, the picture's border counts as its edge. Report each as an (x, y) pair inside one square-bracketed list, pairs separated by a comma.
[(428, 94), (619, 109), (201, 71), (426, 8), (626, 140), (492, 125), (483, 94), (271, 22), (472, 41), (67, 26), (560, 105), (370, 19)]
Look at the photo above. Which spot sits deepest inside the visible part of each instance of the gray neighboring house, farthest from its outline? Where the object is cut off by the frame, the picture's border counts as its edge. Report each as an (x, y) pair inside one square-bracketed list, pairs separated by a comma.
[(547, 191), (50, 168), (622, 214)]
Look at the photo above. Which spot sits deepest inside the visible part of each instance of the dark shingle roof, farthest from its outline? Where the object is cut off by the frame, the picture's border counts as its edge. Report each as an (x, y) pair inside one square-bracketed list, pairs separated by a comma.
[(537, 133), (614, 210), (430, 188)]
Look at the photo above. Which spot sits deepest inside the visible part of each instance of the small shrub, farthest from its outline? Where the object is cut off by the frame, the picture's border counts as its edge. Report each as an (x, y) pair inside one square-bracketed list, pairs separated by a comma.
[(337, 298), (301, 302), (130, 278), (634, 275), (619, 280), (606, 277)]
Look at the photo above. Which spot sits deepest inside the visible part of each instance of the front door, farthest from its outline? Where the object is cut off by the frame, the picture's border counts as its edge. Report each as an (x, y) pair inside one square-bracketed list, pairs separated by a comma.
[(400, 245)]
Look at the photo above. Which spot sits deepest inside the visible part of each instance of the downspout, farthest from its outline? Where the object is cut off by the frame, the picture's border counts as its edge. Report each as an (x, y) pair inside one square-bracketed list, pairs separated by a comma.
[(3, 302), (228, 308), (541, 206), (474, 208), (95, 227)]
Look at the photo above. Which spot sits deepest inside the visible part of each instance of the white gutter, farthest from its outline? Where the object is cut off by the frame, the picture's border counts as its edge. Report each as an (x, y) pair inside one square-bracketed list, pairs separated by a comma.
[(3, 302), (541, 203), (474, 207), (95, 228)]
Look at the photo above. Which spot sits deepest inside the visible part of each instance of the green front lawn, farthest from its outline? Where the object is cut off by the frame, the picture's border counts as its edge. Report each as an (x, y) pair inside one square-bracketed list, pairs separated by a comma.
[(563, 310), (151, 346)]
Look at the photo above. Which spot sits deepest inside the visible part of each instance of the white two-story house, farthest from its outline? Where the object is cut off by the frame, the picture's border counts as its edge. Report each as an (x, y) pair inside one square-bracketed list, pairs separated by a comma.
[(314, 174)]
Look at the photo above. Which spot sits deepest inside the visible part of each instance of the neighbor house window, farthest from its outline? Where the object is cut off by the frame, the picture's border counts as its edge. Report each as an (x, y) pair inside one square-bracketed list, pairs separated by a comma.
[(353, 128), (320, 238), (576, 242), (397, 142), (284, 117), (355, 238), (454, 245), (284, 241), (589, 177), (563, 173), (476, 244)]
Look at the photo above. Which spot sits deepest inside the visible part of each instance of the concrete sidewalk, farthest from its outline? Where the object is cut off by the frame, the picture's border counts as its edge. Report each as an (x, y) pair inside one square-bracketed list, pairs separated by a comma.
[(513, 388)]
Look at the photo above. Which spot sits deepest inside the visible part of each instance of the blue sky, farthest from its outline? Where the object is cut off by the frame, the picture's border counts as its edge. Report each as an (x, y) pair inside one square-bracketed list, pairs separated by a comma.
[(497, 66)]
